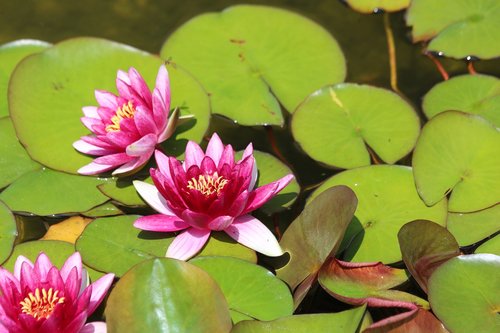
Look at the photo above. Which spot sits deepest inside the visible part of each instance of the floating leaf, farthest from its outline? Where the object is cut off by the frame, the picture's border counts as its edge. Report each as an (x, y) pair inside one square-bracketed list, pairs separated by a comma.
[(123, 191), (458, 28), (469, 228), (387, 200), (10, 55), (8, 232), (345, 322), (421, 322), (336, 124), (15, 162), (463, 293), (458, 152), (106, 209), (426, 245), (248, 288), (375, 6), (239, 62), (491, 246), (68, 230), (67, 75), (476, 94), (315, 235), (168, 296), (48, 192)]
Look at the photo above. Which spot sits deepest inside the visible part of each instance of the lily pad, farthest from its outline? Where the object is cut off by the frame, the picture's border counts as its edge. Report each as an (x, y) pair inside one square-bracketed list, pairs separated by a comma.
[(67, 75), (106, 209), (314, 236), (375, 6), (345, 322), (68, 230), (8, 232), (10, 55), (47, 192), (491, 246), (336, 124), (168, 296), (387, 200), (15, 161), (123, 191), (458, 153), (126, 246), (463, 293), (469, 228), (458, 28), (426, 245), (249, 289), (476, 94), (240, 61)]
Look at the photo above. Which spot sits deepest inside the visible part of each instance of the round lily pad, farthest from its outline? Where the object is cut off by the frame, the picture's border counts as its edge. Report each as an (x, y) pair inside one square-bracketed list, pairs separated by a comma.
[(248, 288), (46, 112), (123, 191), (469, 228), (387, 199), (10, 55), (375, 6), (336, 124), (458, 153), (15, 161), (47, 192), (463, 293), (8, 232), (458, 28), (167, 295), (477, 94), (243, 53), (491, 246)]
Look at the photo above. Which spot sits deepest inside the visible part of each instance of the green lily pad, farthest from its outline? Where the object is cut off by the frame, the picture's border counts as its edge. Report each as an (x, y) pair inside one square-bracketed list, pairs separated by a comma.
[(491, 246), (458, 28), (375, 6), (387, 200), (47, 192), (10, 55), (476, 94), (123, 191), (126, 246), (458, 152), (469, 228), (239, 62), (336, 124), (249, 289), (314, 236), (426, 245), (57, 251), (421, 322), (463, 293), (67, 75), (106, 209), (15, 162), (167, 295), (368, 283), (8, 232), (345, 322)]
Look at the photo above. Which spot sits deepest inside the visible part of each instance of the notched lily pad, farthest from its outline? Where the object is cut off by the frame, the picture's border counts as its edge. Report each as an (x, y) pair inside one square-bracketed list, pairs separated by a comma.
[(375, 6), (240, 62), (8, 232), (490, 246), (335, 125), (458, 153), (469, 228)]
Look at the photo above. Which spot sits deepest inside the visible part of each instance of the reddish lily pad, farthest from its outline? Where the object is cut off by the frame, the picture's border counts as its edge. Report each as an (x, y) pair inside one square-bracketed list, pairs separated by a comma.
[(314, 236), (249, 289), (240, 63), (421, 322), (426, 245), (463, 293), (469, 228), (167, 295), (8, 232), (375, 6)]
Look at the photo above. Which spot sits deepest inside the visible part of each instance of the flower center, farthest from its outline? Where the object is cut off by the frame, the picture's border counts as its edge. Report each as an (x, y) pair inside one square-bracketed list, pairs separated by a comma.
[(208, 184), (126, 111), (42, 303)]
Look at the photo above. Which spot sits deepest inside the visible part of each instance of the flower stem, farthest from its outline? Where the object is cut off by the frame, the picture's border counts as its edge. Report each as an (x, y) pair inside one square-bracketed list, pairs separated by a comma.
[(391, 49), (470, 68), (440, 67)]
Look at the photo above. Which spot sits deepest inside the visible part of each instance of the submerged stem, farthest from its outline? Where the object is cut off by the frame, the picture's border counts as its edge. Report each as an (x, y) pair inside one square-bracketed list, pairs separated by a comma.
[(470, 68), (391, 49), (440, 67)]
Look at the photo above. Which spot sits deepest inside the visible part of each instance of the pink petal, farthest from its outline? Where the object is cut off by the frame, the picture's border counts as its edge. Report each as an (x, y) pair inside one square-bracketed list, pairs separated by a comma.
[(264, 193), (74, 261), (143, 146), (153, 197), (91, 112), (106, 99), (99, 290), (163, 85), (208, 166), (87, 148), (19, 263), (160, 109), (122, 75), (249, 231), (139, 85), (94, 327), (163, 165), (99, 141), (188, 243), (221, 222), (43, 265), (215, 148), (6, 278), (74, 326), (255, 174), (227, 157), (160, 223), (113, 159), (144, 121), (133, 166), (123, 138), (248, 151), (195, 219), (94, 169), (194, 155), (170, 127), (90, 123)]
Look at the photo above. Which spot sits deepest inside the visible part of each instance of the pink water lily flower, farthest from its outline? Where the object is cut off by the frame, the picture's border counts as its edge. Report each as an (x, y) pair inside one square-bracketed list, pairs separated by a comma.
[(126, 128), (40, 298), (209, 191)]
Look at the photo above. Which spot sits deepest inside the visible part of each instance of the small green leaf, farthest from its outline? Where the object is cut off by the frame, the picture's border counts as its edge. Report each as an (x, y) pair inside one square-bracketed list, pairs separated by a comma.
[(106, 209), (469, 228), (8, 232), (491, 246)]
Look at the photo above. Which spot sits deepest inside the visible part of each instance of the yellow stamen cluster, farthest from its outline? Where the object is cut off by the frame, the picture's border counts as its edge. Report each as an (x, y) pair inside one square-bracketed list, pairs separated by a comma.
[(125, 111), (208, 184), (42, 303)]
